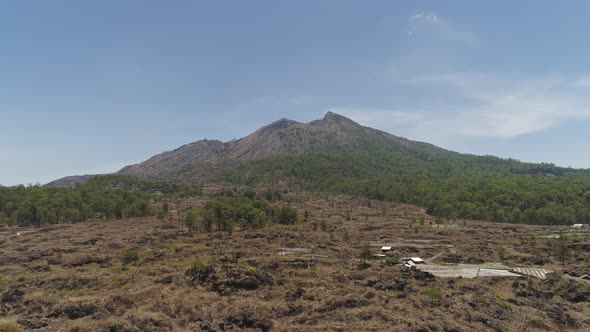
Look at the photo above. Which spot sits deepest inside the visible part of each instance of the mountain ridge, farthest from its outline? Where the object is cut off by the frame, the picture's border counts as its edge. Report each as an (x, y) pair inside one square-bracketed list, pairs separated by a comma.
[(195, 161)]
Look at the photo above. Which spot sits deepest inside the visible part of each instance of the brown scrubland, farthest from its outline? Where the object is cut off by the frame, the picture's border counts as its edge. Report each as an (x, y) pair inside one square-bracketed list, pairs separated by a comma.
[(153, 275)]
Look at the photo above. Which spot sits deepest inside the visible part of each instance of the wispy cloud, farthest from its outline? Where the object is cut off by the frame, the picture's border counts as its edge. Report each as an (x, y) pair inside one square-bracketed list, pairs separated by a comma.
[(425, 17), (481, 105), (443, 99), (425, 25), (582, 82)]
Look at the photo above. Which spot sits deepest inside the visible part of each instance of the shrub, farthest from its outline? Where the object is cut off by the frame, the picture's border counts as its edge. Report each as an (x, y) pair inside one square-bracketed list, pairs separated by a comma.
[(250, 268), (365, 252), (198, 271), (392, 261), (434, 293), (197, 265), (287, 215), (129, 256), (9, 327), (114, 326)]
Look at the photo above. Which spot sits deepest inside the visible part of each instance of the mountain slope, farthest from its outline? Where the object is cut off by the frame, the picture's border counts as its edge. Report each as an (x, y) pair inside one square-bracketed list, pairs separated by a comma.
[(197, 161), (70, 181), (335, 154)]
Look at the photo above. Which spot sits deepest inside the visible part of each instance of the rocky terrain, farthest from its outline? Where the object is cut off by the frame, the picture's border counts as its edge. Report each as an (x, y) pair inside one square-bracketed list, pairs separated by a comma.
[(152, 275)]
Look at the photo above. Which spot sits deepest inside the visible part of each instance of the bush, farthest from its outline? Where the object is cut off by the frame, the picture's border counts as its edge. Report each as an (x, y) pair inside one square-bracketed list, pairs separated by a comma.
[(9, 327), (434, 293), (392, 261), (365, 252), (129, 256), (115, 326), (287, 215), (197, 265), (198, 271)]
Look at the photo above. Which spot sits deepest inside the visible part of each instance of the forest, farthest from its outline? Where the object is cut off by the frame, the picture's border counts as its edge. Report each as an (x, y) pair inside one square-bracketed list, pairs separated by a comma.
[(102, 197), (449, 185)]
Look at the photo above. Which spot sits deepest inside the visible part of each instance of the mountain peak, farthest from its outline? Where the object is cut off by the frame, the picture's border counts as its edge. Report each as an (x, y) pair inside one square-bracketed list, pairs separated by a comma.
[(334, 116), (339, 120), (198, 161)]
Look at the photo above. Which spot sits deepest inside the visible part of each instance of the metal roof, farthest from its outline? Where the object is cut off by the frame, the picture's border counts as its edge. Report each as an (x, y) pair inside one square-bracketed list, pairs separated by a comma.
[(533, 272)]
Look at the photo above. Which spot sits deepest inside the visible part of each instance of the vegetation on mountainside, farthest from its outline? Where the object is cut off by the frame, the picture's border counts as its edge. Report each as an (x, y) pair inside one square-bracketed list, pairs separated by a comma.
[(449, 185), (223, 214), (105, 197)]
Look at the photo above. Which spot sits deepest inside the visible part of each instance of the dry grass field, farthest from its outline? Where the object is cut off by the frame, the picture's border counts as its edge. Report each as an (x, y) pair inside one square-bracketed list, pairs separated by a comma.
[(151, 275)]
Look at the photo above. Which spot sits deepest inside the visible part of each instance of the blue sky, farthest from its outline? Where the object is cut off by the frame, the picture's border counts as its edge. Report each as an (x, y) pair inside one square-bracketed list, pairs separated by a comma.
[(91, 86)]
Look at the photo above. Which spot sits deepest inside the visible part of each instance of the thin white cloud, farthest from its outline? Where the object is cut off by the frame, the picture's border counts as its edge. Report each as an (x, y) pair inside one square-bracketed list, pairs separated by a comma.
[(425, 17), (480, 105), (431, 27), (443, 100), (582, 82)]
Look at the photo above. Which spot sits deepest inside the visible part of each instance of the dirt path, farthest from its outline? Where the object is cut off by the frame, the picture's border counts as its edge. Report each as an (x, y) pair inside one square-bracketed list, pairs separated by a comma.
[(431, 259)]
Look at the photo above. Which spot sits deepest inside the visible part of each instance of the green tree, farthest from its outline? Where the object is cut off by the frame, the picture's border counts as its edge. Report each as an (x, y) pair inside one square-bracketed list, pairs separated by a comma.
[(191, 220), (365, 252), (287, 215), (561, 250)]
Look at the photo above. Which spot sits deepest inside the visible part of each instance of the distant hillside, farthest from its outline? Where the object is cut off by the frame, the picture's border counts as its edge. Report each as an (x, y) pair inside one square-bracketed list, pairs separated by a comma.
[(69, 181)]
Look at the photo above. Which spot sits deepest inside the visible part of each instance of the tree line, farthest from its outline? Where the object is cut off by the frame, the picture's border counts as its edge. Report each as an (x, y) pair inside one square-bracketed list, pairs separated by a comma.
[(102, 197), (227, 213)]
